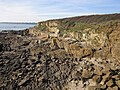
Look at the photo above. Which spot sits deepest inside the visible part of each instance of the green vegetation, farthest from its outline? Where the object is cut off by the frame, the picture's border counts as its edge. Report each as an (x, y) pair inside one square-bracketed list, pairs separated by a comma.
[(80, 26), (81, 23), (66, 26), (42, 28)]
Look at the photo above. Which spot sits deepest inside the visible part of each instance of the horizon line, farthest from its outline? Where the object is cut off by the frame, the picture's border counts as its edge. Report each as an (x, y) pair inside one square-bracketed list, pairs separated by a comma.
[(58, 18)]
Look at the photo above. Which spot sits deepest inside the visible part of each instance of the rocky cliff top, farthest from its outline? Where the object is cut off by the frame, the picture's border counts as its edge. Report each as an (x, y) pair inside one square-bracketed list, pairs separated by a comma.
[(66, 54), (88, 18)]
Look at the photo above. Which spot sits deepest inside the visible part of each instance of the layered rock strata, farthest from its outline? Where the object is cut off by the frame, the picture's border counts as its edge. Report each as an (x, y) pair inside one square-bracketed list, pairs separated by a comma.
[(41, 58)]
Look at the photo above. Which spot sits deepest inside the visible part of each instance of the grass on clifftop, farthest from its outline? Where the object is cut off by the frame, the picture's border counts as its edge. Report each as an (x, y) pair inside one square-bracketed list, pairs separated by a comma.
[(77, 24), (66, 27)]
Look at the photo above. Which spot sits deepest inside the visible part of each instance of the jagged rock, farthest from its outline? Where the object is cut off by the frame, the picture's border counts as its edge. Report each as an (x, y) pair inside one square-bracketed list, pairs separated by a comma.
[(86, 74), (41, 58), (103, 86), (30, 62), (93, 88), (92, 82), (23, 81), (40, 78), (96, 78), (115, 88), (109, 88), (118, 83), (54, 43), (104, 78), (106, 70), (109, 83), (74, 86), (66, 47), (1, 46), (38, 65), (98, 70), (116, 77), (60, 43)]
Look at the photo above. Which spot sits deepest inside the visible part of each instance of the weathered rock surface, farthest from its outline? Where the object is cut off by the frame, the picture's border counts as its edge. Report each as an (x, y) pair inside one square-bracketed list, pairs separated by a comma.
[(85, 60)]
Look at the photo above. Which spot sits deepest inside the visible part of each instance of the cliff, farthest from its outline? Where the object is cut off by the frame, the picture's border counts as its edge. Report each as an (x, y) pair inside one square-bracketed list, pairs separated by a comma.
[(79, 53), (95, 32)]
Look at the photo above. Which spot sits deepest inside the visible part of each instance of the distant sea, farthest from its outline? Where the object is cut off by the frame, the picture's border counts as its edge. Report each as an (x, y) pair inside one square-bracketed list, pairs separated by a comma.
[(15, 26)]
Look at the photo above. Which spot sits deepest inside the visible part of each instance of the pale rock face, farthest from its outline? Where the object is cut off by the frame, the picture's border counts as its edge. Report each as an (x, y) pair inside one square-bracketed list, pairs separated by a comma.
[(92, 39), (74, 86), (76, 35), (97, 40), (108, 39), (115, 44), (34, 32), (52, 28), (66, 47), (44, 60), (73, 49), (52, 23)]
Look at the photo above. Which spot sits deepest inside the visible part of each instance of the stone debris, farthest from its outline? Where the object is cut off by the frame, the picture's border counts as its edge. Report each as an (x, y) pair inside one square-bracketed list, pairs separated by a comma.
[(36, 61)]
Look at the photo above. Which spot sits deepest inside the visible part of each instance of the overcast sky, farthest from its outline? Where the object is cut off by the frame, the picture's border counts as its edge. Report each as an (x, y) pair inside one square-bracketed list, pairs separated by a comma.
[(39, 10)]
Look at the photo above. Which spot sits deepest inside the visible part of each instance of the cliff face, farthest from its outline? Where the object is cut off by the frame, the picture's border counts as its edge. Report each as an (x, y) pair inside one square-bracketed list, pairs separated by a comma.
[(99, 36), (80, 53)]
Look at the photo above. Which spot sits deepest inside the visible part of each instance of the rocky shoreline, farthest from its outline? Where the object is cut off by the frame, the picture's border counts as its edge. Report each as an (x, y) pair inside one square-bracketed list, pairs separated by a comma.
[(35, 59)]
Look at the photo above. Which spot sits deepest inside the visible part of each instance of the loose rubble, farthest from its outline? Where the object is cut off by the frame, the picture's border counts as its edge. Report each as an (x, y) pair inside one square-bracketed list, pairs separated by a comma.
[(36, 61)]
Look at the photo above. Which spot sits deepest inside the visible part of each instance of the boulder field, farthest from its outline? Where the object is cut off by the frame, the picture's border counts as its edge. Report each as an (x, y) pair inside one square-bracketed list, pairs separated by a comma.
[(46, 58)]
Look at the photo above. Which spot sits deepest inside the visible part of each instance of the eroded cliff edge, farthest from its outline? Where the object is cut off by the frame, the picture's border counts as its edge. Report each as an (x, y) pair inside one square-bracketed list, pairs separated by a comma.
[(80, 53)]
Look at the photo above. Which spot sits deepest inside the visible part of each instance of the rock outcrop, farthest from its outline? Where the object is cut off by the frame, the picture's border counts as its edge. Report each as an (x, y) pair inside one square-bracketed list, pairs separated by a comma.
[(46, 58)]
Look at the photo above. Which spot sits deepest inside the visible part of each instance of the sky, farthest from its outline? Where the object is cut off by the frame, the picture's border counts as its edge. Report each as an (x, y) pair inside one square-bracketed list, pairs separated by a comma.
[(40, 10)]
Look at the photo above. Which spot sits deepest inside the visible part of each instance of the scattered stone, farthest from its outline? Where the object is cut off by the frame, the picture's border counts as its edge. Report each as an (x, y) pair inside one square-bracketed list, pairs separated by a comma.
[(40, 58)]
